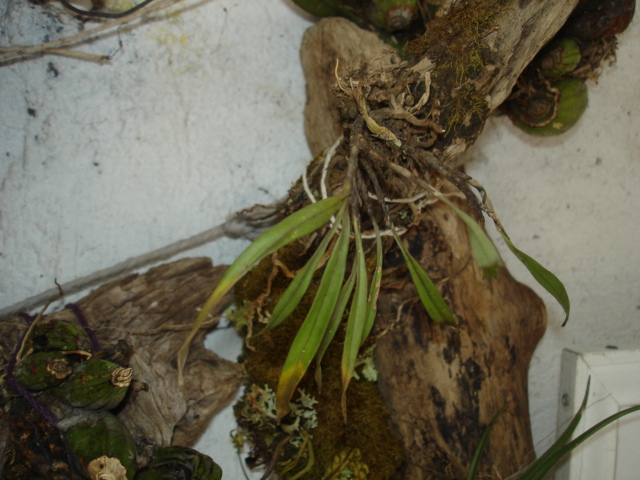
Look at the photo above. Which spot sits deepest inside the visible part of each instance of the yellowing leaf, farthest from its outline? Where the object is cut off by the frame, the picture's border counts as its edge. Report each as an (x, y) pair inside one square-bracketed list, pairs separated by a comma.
[(309, 337)]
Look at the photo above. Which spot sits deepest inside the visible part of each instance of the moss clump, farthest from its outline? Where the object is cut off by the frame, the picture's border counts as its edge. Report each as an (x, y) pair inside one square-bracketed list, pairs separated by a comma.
[(455, 44)]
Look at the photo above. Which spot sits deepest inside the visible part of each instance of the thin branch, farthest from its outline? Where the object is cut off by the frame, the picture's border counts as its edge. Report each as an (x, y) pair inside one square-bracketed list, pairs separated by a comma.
[(63, 46), (246, 225)]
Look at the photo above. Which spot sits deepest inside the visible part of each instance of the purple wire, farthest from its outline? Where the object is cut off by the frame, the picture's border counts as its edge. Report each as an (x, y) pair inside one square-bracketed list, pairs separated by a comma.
[(95, 344), (22, 391)]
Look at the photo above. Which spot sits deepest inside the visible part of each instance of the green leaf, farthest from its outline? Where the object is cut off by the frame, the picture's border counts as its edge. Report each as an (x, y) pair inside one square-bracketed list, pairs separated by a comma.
[(357, 318), (484, 251), (309, 337), (296, 225), (336, 317), (300, 284), (596, 428), (544, 277), (374, 290), (562, 446), (553, 450), (433, 302), (477, 454)]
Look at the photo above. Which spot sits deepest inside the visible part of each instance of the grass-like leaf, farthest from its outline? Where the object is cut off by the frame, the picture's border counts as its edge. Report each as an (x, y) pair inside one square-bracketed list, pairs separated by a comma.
[(336, 317), (477, 454), (544, 277), (562, 446), (300, 284), (580, 439), (374, 290), (309, 337), (357, 318), (433, 302), (484, 251), (295, 226), (564, 437)]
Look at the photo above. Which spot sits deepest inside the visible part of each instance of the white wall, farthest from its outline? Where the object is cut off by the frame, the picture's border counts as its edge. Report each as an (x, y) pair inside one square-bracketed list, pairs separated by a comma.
[(200, 115), (572, 202)]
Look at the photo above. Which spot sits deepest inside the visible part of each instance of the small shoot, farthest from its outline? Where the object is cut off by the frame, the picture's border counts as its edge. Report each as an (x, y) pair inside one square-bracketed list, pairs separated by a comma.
[(538, 469), (374, 290), (300, 284), (301, 223), (336, 317)]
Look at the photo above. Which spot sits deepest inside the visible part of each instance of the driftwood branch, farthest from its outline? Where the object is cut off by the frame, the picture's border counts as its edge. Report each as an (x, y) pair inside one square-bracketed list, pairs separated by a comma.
[(153, 312), (458, 378), (443, 385)]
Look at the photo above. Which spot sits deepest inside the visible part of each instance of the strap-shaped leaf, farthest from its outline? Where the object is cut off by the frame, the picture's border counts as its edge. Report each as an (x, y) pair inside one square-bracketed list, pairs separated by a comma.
[(296, 225), (477, 454), (552, 461), (484, 251), (562, 446), (300, 284), (374, 289), (336, 317), (357, 318), (544, 277), (433, 302), (309, 337)]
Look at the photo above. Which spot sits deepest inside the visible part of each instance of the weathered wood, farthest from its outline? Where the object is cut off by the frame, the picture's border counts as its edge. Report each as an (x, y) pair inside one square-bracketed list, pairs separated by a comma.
[(328, 48), (154, 312), (444, 384), (519, 31)]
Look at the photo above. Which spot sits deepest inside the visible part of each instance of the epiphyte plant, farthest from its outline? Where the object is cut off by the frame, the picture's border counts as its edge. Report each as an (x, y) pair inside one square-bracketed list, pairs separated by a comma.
[(375, 182), (338, 288)]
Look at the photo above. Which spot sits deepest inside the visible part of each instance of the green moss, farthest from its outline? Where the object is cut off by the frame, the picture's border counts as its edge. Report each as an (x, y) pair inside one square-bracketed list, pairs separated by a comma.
[(454, 43)]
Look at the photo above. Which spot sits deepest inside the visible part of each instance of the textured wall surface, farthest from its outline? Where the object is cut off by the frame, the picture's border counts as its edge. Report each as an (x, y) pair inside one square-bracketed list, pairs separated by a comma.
[(199, 115)]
